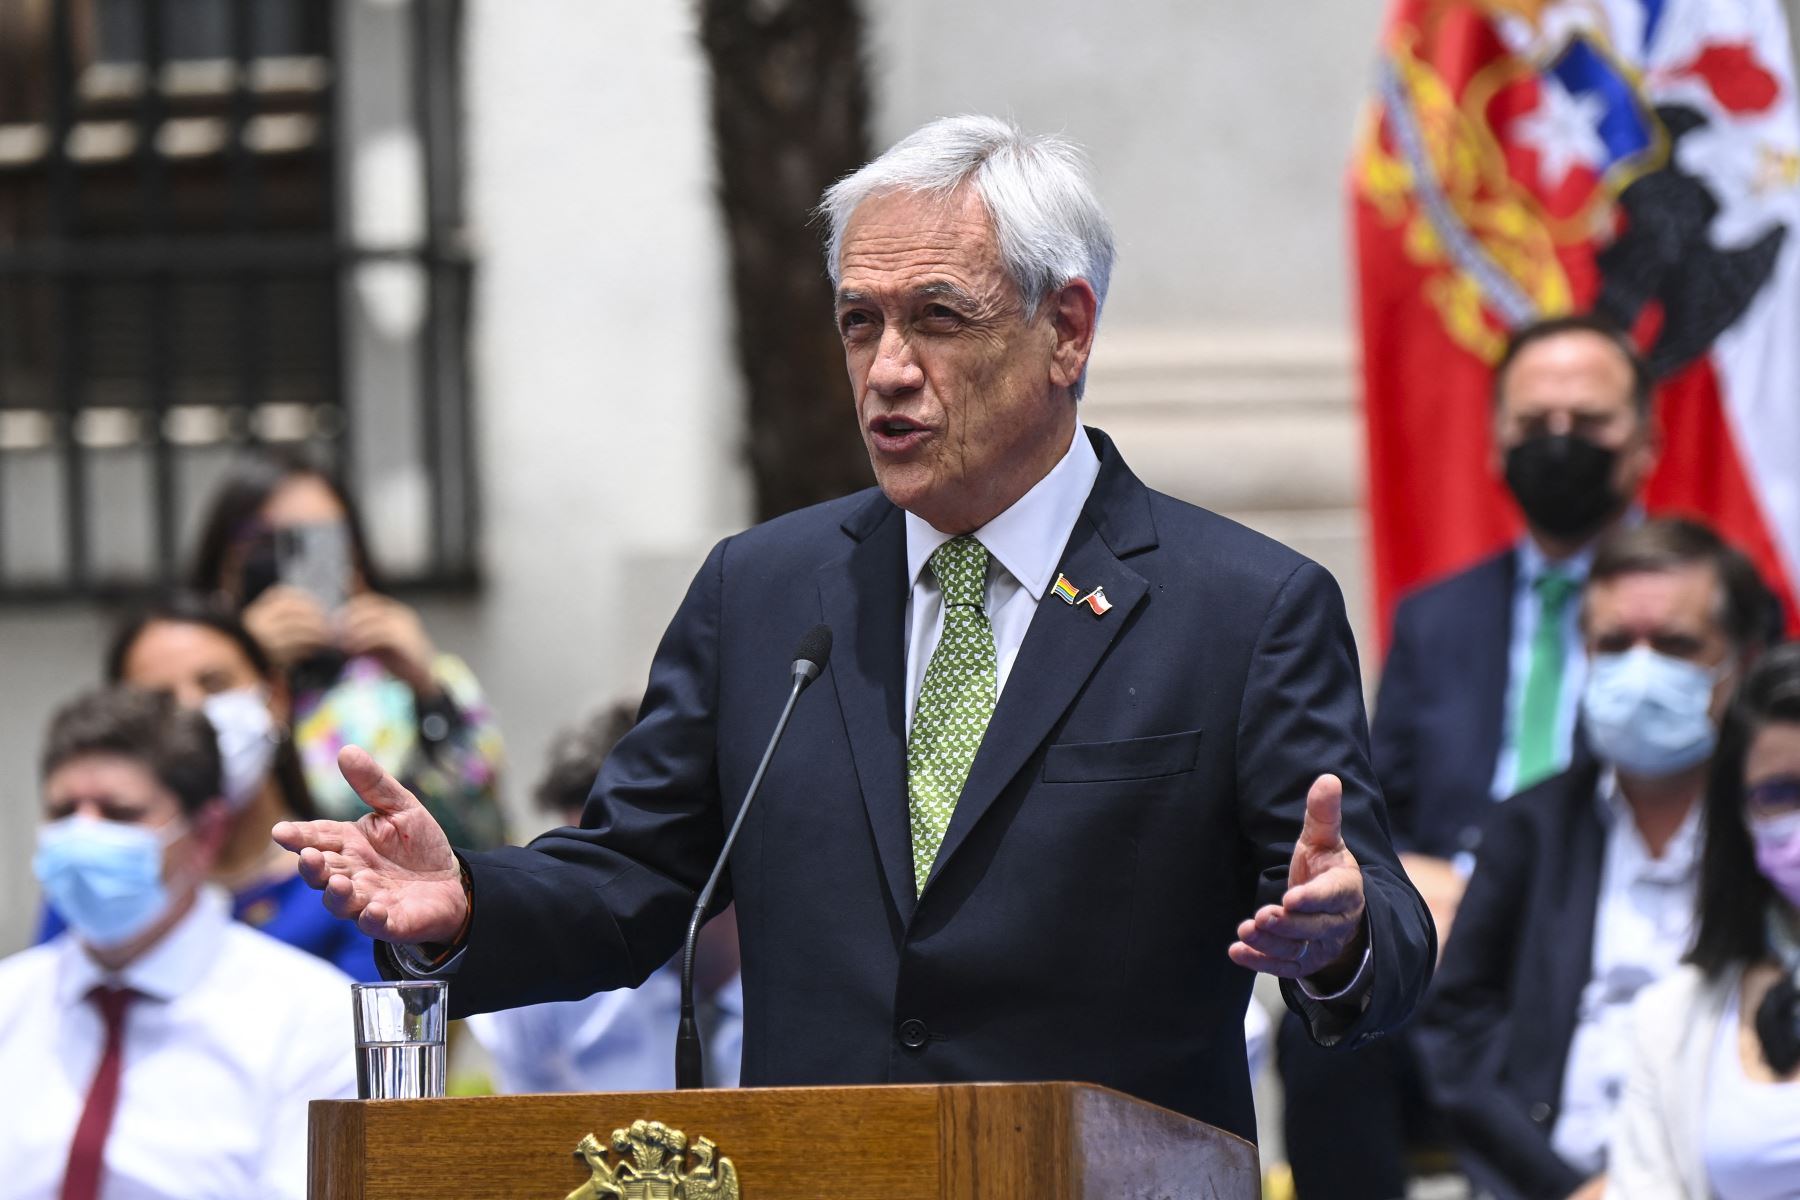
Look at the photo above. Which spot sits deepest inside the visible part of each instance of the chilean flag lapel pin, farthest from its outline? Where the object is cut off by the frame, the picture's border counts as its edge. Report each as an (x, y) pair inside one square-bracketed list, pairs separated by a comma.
[(1097, 601)]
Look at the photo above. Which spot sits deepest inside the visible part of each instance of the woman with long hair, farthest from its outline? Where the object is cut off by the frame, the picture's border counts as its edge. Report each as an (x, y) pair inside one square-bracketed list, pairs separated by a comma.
[(284, 544), (1712, 1104)]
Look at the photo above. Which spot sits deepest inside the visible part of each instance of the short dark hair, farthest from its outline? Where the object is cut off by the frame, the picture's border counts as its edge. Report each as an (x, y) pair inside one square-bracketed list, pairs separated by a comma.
[(1749, 613), (190, 608), (576, 755), (1734, 897), (177, 745), (1642, 384), (241, 493)]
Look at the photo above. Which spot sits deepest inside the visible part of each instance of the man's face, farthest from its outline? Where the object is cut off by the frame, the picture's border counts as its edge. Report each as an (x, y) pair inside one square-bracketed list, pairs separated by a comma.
[(1675, 612), (1577, 384), (108, 787), (963, 403)]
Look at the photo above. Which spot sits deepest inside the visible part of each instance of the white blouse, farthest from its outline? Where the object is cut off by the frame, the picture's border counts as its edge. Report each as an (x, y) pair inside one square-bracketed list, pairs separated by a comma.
[(1751, 1141)]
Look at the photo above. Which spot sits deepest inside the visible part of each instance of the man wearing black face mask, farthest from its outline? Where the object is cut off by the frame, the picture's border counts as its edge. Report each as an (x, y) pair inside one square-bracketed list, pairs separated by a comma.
[(1479, 695)]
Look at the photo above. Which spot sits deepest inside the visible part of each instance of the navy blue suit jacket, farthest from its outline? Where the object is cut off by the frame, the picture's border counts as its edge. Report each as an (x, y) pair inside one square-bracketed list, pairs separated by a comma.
[(1137, 794), (1441, 710), (1494, 1036)]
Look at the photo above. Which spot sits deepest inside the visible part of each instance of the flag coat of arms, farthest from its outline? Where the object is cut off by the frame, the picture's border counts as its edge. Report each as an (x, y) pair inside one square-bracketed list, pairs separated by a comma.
[(1525, 158)]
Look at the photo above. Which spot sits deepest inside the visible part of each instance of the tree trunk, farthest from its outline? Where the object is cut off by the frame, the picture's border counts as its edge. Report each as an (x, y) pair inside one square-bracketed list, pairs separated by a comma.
[(790, 108)]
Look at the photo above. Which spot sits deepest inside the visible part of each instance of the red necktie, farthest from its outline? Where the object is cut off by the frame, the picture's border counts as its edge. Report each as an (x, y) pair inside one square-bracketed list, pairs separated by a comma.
[(87, 1151)]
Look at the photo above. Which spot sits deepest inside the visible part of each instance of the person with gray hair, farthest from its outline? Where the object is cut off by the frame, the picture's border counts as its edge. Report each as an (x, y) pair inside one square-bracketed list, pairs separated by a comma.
[(1083, 759)]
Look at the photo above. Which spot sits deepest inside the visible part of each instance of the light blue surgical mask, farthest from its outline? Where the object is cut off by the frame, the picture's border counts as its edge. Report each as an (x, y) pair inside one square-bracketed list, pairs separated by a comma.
[(1649, 714), (103, 877)]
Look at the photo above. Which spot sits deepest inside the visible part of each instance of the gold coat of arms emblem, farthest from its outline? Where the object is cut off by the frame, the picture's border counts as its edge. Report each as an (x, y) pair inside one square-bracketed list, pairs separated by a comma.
[(654, 1166)]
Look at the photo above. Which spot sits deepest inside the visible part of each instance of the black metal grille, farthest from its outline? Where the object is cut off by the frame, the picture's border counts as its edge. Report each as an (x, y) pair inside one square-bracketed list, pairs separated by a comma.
[(183, 269)]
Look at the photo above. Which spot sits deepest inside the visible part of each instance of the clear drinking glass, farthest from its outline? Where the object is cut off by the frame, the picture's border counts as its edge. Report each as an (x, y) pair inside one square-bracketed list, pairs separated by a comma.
[(400, 1039)]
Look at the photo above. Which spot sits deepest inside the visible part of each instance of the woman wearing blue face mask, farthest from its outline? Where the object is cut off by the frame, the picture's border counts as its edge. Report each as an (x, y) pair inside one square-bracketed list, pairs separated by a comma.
[(1712, 1105), (208, 661)]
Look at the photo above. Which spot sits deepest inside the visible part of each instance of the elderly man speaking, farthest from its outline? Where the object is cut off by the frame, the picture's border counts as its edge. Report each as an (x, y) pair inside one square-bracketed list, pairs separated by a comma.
[(1084, 758)]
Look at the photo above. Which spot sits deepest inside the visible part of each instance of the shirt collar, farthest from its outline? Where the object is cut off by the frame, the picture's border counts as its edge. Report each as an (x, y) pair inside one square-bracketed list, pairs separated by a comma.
[(1028, 538), (1533, 562), (168, 969), (1680, 858)]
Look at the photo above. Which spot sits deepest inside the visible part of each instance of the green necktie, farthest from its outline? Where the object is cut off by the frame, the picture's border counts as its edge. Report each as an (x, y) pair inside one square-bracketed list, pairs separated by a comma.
[(955, 702), (1538, 754)]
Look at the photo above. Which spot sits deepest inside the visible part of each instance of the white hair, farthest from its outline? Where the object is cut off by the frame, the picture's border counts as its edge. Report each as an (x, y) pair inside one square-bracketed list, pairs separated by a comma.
[(1049, 226)]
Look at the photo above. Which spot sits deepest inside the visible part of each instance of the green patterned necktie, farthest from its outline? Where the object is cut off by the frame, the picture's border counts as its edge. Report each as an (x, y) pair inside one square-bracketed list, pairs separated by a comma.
[(1538, 754), (955, 702)]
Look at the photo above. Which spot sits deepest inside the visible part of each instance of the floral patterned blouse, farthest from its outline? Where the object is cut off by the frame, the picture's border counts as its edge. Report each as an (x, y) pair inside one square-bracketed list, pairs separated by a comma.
[(450, 759)]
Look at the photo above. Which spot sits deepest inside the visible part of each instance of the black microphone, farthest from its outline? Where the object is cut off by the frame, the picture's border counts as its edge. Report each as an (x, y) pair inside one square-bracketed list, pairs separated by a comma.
[(809, 660)]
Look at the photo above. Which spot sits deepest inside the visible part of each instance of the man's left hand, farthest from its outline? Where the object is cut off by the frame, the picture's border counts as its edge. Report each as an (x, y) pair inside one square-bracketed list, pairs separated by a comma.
[(1316, 932)]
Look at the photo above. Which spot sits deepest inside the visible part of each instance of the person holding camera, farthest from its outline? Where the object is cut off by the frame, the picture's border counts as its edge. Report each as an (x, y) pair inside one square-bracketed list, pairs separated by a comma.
[(285, 543)]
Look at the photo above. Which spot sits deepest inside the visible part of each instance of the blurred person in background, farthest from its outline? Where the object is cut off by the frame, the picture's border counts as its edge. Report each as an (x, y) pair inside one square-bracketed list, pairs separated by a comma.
[(286, 544), (201, 654), (157, 1049), (624, 1040), (1478, 701), (1711, 1109), (1584, 892)]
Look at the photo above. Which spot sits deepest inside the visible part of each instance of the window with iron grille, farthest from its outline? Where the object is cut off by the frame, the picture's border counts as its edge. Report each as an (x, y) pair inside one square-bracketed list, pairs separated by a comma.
[(226, 223)]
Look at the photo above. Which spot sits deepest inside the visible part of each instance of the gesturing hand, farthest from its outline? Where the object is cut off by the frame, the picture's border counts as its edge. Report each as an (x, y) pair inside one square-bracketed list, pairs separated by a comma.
[(392, 870), (1316, 929)]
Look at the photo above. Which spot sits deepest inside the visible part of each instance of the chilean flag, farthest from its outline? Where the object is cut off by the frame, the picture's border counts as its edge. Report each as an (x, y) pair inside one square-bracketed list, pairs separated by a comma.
[(1525, 158)]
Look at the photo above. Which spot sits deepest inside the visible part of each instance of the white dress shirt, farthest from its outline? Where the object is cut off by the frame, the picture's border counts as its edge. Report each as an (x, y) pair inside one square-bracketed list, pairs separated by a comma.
[(621, 1041), (1643, 924), (1525, 611), (1024, 544), (230, 1036)]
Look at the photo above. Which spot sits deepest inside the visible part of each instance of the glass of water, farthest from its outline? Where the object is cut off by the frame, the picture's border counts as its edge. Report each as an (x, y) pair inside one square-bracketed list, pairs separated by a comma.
[(400, 1039)]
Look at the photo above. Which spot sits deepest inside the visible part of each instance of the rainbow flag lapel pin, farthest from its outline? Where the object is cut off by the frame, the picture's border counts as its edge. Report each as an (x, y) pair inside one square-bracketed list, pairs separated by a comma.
[(1097, 601), (1065, 591)]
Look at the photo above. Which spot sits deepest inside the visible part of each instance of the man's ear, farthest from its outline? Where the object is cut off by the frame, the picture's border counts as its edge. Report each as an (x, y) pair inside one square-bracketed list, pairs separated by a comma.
[(1074, 311)]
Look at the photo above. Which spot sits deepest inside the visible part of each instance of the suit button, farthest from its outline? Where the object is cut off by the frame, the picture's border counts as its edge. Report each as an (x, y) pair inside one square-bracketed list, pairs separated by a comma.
[(1540, 1112), (914, 1035)]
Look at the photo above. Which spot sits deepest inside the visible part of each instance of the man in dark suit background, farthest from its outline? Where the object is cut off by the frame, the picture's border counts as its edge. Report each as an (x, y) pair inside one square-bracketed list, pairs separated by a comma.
[(1081, 754), (1478, 697), (1584, 888)]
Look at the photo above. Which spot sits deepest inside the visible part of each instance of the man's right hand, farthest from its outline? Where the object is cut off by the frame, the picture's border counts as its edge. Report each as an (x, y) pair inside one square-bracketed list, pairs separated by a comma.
[(392, 870)]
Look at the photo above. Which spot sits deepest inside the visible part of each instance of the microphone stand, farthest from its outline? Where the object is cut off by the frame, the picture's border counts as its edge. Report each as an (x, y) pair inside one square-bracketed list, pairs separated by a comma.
[(689, 1068)]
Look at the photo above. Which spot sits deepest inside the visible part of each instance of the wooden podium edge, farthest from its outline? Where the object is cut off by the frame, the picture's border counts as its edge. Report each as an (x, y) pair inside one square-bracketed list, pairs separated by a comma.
[(1052, 1139)]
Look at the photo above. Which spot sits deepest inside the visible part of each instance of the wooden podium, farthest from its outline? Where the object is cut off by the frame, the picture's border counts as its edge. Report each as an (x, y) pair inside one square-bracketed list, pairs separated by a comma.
[(1032, 1141)]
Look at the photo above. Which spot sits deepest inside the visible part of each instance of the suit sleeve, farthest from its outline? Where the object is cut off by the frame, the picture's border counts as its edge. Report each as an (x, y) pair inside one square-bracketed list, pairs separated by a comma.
[(602, 906), (1394, 733), (1467, 1026), (1301, 716)]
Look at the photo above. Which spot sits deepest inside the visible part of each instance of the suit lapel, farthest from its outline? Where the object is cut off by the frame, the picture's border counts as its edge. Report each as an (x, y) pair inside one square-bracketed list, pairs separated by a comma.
[(864, 600), (1571, 965), (1493, 663), (1064, 642)]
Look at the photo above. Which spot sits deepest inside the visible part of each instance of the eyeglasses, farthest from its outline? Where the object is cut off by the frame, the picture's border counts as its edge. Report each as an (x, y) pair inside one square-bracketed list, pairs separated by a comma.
[(1772, 796)]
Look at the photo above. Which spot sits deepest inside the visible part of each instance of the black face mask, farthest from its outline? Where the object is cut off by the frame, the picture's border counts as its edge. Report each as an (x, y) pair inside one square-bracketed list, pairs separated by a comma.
[(1564, 484)]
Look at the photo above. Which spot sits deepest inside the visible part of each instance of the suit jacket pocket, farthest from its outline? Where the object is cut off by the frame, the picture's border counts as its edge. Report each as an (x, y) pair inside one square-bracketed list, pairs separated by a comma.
[(1134, 758)]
